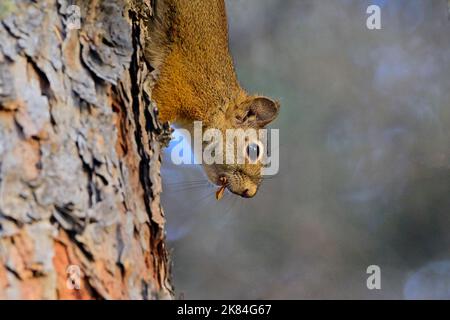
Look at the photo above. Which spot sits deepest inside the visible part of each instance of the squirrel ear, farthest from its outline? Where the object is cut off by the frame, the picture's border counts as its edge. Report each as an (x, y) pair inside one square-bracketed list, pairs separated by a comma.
[(261, 111)]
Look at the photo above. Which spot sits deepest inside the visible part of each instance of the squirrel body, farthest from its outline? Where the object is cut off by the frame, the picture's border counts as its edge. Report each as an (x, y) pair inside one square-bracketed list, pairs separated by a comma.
[(196, 80)]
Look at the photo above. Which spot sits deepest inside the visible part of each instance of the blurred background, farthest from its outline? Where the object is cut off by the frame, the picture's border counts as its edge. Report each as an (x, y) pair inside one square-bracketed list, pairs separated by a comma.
[(365, 159)]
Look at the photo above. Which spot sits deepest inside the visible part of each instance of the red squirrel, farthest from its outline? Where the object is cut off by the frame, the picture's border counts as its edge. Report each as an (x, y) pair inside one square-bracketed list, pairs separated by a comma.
[(196, 81)]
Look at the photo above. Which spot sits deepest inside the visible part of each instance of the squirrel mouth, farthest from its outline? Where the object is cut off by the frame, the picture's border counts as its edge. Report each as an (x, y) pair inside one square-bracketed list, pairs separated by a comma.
[(223, 186)]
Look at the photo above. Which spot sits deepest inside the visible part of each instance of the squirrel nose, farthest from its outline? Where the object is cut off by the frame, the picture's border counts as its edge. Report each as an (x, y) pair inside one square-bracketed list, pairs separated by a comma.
[(249, 193)]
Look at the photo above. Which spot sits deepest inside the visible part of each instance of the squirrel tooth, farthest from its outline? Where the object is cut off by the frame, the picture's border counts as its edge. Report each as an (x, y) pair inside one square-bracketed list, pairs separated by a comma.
[(220, 192)]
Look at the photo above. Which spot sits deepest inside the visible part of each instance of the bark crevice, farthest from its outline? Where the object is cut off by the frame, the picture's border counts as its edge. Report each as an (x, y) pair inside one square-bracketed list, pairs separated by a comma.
[(80, 148)]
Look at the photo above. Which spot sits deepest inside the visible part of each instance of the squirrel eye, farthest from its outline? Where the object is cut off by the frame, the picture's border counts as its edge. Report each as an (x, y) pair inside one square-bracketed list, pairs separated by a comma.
[(254, 151)]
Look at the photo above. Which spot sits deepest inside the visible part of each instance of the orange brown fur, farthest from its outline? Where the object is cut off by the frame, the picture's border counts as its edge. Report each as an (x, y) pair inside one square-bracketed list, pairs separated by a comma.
[(197, 76)]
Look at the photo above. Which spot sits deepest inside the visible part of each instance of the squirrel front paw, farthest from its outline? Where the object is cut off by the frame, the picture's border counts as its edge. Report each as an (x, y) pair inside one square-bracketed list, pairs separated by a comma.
[(164, 129), (166, 134)]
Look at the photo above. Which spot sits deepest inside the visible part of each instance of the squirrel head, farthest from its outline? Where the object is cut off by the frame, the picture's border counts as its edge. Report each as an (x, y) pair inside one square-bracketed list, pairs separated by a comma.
[(241, 177)]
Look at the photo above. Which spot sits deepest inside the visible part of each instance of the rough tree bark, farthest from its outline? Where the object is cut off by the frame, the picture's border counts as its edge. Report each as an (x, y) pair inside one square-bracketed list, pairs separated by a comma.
[(79, 154)]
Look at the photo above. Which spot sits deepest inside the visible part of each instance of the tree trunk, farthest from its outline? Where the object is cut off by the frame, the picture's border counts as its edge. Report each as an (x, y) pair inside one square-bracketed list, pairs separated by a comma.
[(80, 147)]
